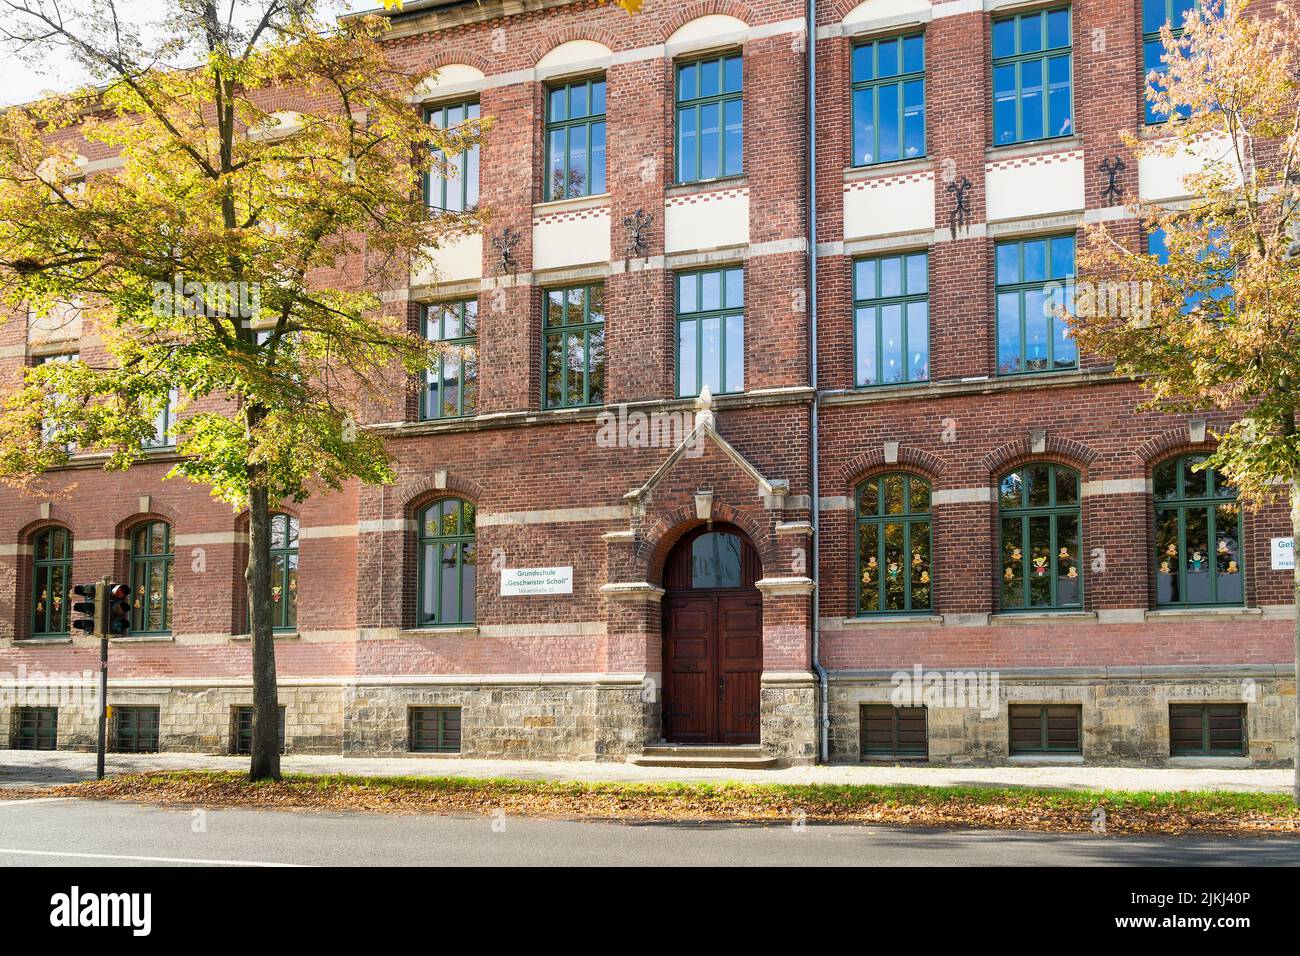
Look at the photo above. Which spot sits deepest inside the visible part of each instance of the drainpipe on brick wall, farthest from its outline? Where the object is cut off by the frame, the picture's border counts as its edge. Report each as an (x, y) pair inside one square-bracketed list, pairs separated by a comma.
[(823, 720)]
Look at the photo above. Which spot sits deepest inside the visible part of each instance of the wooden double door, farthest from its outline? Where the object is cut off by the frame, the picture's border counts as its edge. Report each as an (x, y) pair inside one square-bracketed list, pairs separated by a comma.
[(713, 640)]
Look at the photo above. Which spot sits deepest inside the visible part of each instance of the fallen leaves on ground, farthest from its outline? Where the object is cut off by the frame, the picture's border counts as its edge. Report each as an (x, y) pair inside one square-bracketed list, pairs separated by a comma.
[(990, 808)]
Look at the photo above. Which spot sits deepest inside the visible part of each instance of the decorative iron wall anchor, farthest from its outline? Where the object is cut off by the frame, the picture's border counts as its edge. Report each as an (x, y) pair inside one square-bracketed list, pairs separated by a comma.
[(1112, 191), (959, 218), (504, 244), (637, 226)]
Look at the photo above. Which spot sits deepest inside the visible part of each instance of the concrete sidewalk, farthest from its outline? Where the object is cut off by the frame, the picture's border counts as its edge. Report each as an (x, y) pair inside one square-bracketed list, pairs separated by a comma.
[(19, 768)]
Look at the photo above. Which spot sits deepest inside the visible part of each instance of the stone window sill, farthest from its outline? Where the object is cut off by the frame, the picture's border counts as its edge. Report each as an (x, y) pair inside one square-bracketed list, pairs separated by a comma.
[(453, 631), (706, 185), (897, 167), (275, 635), (1203, 613), (571, 203), (1043, 617), (1055, 144), (25, 641), (144, 639), (893, 620)]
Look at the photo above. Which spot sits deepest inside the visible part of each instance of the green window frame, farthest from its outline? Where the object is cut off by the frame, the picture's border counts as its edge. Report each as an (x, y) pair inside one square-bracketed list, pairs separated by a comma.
[(573, 346), (48, 434), (891, 319), (1155, 14), (575, 139), (1034, 279), (1033, 76), (151, 578), (241, 731), (434, 730), (450, 388), (163, 423), (1041, 539), (447, 564), (457, 193), (710, 307), (284, 572), (888, 99), (1199, 558), (135, 730), (1045, 728), (1207, 730), (51, 582), (35, 728), (710, 117), (895, 564), (887, 732)]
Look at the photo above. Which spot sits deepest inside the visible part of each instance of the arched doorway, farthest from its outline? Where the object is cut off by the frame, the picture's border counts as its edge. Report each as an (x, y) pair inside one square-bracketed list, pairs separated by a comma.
[(713, 638)]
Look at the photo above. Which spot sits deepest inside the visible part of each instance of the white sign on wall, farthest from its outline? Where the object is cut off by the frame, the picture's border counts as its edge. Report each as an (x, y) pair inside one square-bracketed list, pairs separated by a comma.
[(517, 582), (1284, 554)]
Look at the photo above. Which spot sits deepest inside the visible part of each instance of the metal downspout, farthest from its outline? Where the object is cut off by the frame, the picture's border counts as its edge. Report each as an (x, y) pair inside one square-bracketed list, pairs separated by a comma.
[(823, 729)]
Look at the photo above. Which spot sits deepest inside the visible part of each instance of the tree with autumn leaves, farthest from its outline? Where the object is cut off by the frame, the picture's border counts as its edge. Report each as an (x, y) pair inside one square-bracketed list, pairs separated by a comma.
[(234, 257), (1218, 323)]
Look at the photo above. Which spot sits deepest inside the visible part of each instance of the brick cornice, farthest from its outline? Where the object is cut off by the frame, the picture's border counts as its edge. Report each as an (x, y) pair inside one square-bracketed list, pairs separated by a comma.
[(704, 8), (1060, 450), (872, 462)]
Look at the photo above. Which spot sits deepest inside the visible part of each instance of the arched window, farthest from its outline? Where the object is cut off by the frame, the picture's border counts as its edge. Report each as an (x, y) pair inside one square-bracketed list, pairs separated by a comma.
[(448, 564), (1198, 535), (895, 569), (1038, 506), (151, 578), (52, 571), (284, 572)]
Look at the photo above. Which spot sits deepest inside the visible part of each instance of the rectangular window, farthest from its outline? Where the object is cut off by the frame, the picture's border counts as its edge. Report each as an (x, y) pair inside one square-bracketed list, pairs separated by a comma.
[(1155, 14), (1046, 730), (435, 730), (162, 424), (135, 730), (35, 728), (49, 431), (889, 100), (711, 331), (457, 189), (451, 385), (1035, 279), (891, 319), (575, 140), (1032, 68), (573, 346), (1207, 730), (710, 125), (1213, 284), (889, 732), (241, 736)]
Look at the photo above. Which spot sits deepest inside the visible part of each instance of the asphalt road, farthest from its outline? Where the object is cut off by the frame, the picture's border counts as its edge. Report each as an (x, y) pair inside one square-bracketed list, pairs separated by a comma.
[(68, 832)]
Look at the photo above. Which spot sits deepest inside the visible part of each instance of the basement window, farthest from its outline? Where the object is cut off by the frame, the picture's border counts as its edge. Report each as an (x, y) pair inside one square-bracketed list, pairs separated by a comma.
[(35, 728), (434, 730), (893, 733), (135, 730), (1207, 730), (1046, 730), (241, 736)]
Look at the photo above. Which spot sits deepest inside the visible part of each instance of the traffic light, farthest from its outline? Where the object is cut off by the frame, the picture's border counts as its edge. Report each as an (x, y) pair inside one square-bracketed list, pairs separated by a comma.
[(85, 609), (117, 597)]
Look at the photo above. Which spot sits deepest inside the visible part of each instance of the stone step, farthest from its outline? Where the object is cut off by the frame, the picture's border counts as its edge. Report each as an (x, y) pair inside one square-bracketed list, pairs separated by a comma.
[(717, 758)]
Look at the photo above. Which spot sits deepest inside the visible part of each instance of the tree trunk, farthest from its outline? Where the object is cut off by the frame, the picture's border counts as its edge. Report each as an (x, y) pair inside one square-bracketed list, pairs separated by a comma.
[(266, 705), (1295, 587)]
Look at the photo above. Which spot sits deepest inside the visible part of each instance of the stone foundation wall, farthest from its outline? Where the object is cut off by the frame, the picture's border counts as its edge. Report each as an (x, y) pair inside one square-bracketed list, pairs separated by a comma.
[(788, 718), (1125, 722)]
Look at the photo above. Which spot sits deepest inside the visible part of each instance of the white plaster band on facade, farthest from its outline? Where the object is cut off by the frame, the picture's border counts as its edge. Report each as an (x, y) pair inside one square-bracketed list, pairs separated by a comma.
[(623, 535), (1117, 486), (13, 351), (798, 678), (513, 281), (1107, 214), (342, 682), (1122, 615), (1032, 225), (15, 550), (835, 503), (1071, 675), (554, 516), (883, 620), (98, 544), (976, 230), (956, 7), (782, 587), (961, 496), (387, 524), (861, 28), (632, 591), (211, 537), (796, 528), (327, 531)]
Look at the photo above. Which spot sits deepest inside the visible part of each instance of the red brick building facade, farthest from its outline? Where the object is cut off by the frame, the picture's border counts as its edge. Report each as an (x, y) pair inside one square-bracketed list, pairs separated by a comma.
[(721, 587)]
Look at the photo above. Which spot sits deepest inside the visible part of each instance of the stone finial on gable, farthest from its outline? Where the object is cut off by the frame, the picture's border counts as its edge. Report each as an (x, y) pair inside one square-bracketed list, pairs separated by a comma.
[(704, 417)]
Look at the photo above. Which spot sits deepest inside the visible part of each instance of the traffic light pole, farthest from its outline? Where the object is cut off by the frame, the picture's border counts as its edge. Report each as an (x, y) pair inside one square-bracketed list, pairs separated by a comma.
[(101, 601)]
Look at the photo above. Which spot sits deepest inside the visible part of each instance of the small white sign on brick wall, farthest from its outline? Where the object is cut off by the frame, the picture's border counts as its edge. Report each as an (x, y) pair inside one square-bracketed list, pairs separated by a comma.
[(517, 582), (1284, 554)]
